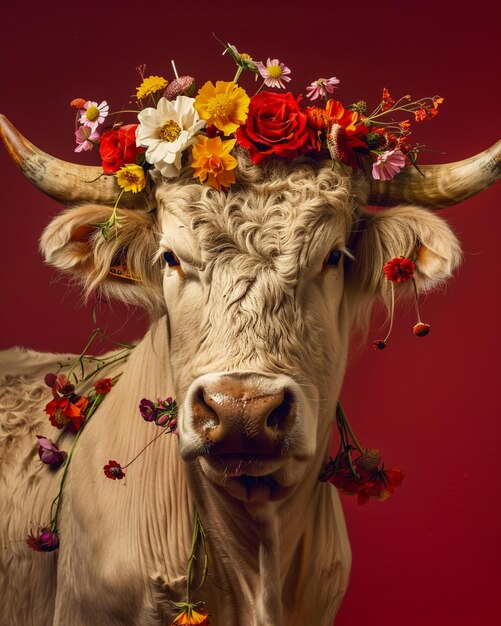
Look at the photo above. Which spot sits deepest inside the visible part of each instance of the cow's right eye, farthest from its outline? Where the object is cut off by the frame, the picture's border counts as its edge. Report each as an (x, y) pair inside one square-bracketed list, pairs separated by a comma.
[(171, 259), (333, 257)]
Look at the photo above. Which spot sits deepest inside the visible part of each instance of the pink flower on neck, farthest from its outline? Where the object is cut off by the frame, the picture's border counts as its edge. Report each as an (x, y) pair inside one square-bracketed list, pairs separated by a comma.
[(388, 165)]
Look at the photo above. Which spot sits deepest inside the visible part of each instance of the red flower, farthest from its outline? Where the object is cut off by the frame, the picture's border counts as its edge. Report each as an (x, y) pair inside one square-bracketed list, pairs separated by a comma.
[(103, 386), (45, 541), (361, 477), (64, 410), (118, 147), (60, 385), (380, 485), (399, 269), (275, 126), (113, 470)]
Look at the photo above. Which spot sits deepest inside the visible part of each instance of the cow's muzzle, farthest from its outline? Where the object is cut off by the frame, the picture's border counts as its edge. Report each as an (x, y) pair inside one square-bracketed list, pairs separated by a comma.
[(235, 416), (245, 428)]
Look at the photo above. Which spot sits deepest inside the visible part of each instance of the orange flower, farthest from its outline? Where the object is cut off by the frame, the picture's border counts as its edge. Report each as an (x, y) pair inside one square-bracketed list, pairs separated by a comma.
[(191, 617), (405, 126), (212, 162), (337, 113), (78, 103), (420, 114), (388, 101), (62, 411), (436, 101)]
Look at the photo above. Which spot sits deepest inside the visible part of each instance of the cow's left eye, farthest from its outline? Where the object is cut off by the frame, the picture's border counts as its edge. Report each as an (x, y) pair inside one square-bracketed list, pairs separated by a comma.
[(171, 259), (333, 257)]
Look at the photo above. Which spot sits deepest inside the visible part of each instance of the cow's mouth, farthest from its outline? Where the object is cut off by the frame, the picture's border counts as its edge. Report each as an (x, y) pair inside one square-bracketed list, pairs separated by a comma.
[(251, 479)]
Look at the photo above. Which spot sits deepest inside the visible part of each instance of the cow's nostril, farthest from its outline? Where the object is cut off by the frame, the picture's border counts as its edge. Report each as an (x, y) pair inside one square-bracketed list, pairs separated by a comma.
[(204, 417), (279, 419)]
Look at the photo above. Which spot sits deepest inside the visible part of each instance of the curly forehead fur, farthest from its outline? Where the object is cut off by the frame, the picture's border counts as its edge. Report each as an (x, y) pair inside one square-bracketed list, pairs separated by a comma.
[(274, 209)]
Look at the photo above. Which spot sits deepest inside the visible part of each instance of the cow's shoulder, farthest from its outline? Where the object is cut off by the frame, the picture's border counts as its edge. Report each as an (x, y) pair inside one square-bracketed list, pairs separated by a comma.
[(26, 364), (23, 392)]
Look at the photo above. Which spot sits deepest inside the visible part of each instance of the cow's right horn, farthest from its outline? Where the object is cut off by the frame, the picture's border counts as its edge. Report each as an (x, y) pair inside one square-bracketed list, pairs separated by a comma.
[(65, 182), (437, 186)]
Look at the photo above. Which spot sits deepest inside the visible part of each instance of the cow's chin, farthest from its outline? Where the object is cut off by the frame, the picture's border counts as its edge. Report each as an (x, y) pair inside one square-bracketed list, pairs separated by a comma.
[(255, 480)]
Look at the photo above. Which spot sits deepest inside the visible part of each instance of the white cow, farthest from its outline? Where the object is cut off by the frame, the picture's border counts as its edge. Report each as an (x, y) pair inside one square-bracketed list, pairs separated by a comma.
[(250, 334)]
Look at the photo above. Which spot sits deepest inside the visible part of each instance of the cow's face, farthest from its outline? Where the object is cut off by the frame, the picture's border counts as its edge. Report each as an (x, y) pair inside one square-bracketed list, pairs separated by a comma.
[(253, 283), (260, 286)]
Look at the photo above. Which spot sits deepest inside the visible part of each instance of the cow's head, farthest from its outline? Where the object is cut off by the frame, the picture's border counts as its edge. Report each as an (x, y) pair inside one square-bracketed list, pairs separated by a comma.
[(261, 287)]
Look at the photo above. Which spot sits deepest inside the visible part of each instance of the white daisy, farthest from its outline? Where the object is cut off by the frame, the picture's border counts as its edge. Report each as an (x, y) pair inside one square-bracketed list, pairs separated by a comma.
[(167, 131)]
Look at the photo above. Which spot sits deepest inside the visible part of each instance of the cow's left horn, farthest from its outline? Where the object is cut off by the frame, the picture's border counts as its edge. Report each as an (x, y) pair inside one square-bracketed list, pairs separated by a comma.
[(440, 185), (65, 182)]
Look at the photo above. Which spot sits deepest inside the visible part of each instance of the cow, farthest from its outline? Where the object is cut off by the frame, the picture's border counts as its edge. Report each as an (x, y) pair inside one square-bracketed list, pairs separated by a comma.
[(250, 325)]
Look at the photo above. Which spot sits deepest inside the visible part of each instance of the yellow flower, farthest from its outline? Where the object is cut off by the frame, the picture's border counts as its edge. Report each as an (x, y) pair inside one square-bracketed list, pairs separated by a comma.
[(131, 178), (226, 105), (150, 85), (213, 163)]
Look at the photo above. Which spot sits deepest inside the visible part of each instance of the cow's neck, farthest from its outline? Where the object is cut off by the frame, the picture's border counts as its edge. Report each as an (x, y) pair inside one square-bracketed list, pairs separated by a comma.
[(264, 566), (264, 559)]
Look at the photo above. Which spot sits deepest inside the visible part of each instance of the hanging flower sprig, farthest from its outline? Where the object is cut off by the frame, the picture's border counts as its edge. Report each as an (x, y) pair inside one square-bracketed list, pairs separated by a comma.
[(72, 407), (164, 414), (399, 270), (359, 471), (192, 612)]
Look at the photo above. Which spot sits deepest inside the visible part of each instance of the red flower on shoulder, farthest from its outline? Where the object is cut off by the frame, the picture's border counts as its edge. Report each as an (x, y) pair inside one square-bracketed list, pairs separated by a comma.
[(62, 411), (103, 386), (113, 470)]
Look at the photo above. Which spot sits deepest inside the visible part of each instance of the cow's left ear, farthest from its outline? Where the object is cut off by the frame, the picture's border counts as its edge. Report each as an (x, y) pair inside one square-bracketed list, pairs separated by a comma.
[(406, 231), (119, 263)]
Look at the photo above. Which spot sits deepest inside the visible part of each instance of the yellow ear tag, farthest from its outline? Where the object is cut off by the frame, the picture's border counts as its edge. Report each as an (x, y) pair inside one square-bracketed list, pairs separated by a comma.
[(121, 271)]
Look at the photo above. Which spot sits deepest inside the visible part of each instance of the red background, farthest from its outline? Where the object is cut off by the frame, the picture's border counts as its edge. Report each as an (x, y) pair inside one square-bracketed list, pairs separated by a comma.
[(431, 553)]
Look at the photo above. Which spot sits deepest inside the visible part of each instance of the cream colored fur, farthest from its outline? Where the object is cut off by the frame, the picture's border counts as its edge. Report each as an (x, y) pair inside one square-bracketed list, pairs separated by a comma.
[(254, 296)]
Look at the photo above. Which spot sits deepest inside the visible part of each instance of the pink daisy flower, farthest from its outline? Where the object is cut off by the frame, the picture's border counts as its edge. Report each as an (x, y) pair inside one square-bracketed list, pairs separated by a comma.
[(274, 73), (388, 165), (93, 114), (321, 87), (86, 137)]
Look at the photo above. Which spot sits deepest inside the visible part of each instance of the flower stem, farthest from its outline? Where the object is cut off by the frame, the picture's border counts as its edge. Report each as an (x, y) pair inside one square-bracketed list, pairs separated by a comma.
[(198, 534), (237, 75), (58, 499), (345, 422), (146, 446)]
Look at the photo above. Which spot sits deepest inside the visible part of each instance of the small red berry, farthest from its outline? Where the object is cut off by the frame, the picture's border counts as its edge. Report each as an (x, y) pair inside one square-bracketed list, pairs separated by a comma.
[(421, 329)]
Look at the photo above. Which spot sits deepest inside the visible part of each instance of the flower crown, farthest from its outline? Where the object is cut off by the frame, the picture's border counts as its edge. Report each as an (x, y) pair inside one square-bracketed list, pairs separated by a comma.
[(177, 127)]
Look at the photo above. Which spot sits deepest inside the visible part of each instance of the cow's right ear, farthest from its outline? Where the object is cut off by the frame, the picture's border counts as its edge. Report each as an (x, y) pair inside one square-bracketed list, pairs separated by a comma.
[(404, 231), (121, 265)]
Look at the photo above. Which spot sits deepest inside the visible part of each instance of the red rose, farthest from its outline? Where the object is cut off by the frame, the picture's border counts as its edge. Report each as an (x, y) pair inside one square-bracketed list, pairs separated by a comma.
[(118, 147), (275, 126)]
